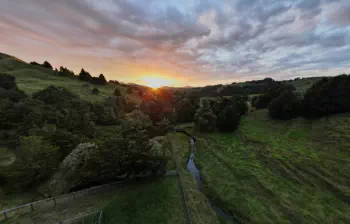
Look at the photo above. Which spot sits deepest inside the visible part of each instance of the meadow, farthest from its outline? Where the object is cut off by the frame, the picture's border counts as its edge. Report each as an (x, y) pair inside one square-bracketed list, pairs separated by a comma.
[(271, 171)]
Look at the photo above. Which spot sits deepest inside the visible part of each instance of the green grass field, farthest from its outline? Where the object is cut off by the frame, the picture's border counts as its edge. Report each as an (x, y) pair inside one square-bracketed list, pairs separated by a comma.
[(269, 171), (30, 79), (303, 84), (159, 201)]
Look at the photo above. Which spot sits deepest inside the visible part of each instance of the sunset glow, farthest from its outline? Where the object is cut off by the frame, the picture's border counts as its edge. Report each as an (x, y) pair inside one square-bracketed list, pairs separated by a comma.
[(156, 81)]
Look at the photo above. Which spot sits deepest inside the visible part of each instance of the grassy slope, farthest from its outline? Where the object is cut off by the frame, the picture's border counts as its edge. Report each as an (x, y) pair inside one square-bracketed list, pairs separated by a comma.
[(305, 83), (280, 171), (200, 210), (156, 202), (32, 78)]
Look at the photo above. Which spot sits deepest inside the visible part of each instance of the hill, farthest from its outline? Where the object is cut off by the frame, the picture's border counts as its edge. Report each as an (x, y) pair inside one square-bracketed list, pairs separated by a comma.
[(31, 78)]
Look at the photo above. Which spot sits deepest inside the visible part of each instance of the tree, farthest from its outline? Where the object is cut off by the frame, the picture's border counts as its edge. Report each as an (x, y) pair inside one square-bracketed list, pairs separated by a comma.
[(85, 76), (205, 120), (228, 119), (328, 96), (154, 109), (185, 111), (274, 92), (102, 79), (46, 64), (285, 107)]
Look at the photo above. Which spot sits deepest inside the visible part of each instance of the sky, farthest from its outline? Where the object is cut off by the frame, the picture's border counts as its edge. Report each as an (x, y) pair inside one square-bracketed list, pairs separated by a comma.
[(186, 42)]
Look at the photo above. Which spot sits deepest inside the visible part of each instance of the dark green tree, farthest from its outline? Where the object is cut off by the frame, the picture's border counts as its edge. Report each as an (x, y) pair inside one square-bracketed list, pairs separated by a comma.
[(204, 119), (286, 106), (185, 111), (228, 119)]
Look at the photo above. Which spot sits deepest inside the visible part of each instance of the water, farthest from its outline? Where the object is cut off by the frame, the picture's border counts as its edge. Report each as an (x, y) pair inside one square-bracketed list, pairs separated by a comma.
[(191, 166)]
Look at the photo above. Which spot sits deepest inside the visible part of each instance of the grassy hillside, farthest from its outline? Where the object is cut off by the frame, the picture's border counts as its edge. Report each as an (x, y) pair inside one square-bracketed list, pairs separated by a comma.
[(31, 78), (269, 171), (303, 84)]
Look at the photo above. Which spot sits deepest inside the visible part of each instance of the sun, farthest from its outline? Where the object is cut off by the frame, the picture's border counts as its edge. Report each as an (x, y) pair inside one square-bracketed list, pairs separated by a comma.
[(156, 81)]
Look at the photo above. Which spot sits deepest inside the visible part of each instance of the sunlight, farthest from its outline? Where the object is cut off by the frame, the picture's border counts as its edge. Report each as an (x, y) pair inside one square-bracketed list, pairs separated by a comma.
[(156, 81)]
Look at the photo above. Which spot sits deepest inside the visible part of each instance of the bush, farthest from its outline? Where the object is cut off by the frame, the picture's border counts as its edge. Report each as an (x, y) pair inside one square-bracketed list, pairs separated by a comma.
[(240, 104), (274, 92), (285, 107), (95, 91), (154, 109), (36, 162), (185, 111), (328, 96), (228, 119), (205, 120), (129, 90), (7, 82)]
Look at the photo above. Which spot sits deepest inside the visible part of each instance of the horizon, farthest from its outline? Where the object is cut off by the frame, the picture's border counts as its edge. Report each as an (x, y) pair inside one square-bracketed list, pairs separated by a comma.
[(182, 43)]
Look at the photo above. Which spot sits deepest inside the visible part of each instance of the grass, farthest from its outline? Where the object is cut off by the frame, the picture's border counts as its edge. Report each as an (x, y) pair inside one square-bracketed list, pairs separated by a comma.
[(269, 171), (303, 84), (30, 79), (65, 210), (200, 210), (155, 202)]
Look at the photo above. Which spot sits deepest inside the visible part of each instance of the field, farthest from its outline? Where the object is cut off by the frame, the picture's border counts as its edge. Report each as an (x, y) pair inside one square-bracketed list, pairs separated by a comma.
[(30, 79), (159, 201), (303, 84), (269, 171)]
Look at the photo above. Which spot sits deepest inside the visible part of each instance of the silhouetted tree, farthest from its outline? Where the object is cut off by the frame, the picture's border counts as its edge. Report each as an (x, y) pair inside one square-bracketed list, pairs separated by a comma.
[(46, 64), (185, 111), (204, 118), (85, 76)]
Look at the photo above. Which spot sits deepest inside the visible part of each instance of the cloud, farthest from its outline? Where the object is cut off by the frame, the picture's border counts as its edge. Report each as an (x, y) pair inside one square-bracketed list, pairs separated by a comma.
[(198, 40)]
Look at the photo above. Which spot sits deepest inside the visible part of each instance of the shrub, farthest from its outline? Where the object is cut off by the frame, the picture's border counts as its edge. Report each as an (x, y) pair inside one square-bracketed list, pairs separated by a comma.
[(95, 91), (154, 109), (274, 92), (285, 107), (129, 90), (205, 120), (36, 162), (185, 111), (228, 119), (240, 104), (7, 82), (328, 96)]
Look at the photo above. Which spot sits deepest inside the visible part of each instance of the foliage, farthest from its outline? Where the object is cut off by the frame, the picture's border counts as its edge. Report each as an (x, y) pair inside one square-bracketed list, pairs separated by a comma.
[(328, 96), (153, 108), (84, 76), (95, 91), (65, 72), (36, 161), (185, 111), (46, 64), (286, 106), (274, 92), (228, 119), (100, 80), (7, 82), (204, 118)]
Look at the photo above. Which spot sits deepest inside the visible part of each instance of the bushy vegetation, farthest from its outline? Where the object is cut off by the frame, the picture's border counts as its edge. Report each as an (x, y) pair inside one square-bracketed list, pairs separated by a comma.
[(287, 106), (205, 120), (42, 131), (185, 111), (85, 76), (263, 100), (228, 119), (328, 96)]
